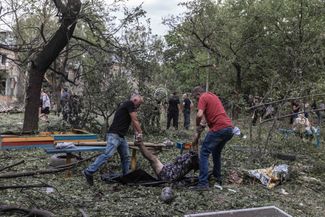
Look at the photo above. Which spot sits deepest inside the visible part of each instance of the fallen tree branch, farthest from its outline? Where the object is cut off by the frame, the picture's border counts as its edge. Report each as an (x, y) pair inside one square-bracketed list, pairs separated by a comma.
[(282, 100), (83, 213), (76, 163), (289, 115), (40, 172), (31, 173), (24, 186), (13, 165), (28, 212)]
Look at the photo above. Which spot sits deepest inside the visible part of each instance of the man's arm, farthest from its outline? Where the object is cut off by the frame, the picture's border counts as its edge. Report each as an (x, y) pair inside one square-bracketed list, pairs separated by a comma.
[(135, 123), (154, 161), (199, 117), (195, 143)]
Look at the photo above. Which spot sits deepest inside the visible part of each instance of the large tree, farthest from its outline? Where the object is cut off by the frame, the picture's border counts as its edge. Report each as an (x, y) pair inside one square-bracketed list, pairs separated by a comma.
[(41, 60)]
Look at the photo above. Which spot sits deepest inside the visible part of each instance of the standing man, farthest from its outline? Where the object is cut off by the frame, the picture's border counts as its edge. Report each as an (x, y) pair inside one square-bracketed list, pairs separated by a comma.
[(187, 105), (173, 110), (64, 103), (125, 115), (45, 106), (212, 112)]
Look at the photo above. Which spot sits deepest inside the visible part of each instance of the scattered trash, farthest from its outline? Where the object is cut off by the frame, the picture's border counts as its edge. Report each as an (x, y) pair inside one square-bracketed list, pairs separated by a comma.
[(167, 194), (235, 177), (218, 186), (311, 179), (232, 190), (283, 191), (49, 190), (63, 145), (272, 176), (168, 143), (236, 131)]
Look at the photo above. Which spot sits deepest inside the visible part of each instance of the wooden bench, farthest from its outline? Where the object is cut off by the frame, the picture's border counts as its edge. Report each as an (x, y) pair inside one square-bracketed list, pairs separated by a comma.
[(151, 146), (100, 146)]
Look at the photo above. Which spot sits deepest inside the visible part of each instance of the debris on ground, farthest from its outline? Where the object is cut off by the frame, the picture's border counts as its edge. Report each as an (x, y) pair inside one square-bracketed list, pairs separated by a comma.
[(271, 176), (235, 177)]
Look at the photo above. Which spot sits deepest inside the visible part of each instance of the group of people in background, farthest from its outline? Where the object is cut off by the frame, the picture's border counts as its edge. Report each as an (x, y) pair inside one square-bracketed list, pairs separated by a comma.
[(45, 104), (175, 106), (306, 118)]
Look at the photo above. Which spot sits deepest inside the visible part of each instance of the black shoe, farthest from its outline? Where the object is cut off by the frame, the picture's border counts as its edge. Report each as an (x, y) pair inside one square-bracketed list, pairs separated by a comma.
[(200, 188), (214, 180), (89, 178)]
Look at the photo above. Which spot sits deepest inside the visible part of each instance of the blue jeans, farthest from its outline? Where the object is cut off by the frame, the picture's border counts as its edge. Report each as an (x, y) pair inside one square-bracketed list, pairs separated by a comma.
[(213, 144), (114, 142), (187, 119)]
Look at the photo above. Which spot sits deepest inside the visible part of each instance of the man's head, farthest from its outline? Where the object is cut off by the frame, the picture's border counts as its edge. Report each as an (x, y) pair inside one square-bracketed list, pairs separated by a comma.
[(185, 96), (197, 91), (137, 100)]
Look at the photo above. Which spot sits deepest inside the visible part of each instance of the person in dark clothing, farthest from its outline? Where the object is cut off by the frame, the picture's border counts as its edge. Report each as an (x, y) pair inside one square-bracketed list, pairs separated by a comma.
[(318, 114), (173, 110), (295, 106), (124, 116), (64, 103), (187, 105)]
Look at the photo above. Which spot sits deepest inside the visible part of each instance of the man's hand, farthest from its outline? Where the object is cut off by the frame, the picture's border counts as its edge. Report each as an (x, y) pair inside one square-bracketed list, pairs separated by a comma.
[(137, 143), (138, 137), (199, 129)]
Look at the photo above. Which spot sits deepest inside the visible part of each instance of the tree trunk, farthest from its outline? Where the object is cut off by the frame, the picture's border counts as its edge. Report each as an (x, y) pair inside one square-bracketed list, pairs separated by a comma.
[(42, 60), (238, 76)]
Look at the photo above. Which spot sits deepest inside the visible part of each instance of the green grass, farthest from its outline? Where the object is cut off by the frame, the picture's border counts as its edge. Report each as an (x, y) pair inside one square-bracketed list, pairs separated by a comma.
[(306, 186)]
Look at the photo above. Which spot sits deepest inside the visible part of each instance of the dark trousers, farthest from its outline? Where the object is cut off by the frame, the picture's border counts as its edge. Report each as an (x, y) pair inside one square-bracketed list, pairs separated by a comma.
[(187, 119), (172, 116), (213, 144)]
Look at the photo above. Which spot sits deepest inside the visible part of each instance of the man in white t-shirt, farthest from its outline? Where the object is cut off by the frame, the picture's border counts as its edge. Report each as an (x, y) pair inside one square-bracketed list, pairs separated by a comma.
[(45, 105)]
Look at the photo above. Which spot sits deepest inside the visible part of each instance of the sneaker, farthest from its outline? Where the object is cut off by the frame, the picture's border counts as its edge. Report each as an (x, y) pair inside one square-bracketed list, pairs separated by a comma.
[(200, 188), (89, 178)]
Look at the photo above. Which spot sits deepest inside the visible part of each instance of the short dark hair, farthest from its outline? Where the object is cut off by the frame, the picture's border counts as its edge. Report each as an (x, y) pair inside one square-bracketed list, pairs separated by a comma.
[(197, 90)]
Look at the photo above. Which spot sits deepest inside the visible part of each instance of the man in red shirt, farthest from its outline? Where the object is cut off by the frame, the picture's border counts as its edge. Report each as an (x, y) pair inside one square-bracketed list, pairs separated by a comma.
[(212, 113)]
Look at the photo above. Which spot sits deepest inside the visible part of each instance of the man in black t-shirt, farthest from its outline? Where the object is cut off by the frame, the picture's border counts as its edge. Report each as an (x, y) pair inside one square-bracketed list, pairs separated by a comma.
[(187, 105), (173, 110), (124, 116)]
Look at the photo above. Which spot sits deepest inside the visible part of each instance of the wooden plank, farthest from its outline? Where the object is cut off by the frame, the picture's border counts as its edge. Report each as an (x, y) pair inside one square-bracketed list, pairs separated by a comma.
[(75, 137), (27, 143), (80, 131), (72, 150), (77, 141), (103, 143), (27, 139), (134, 160), (44, 146)]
